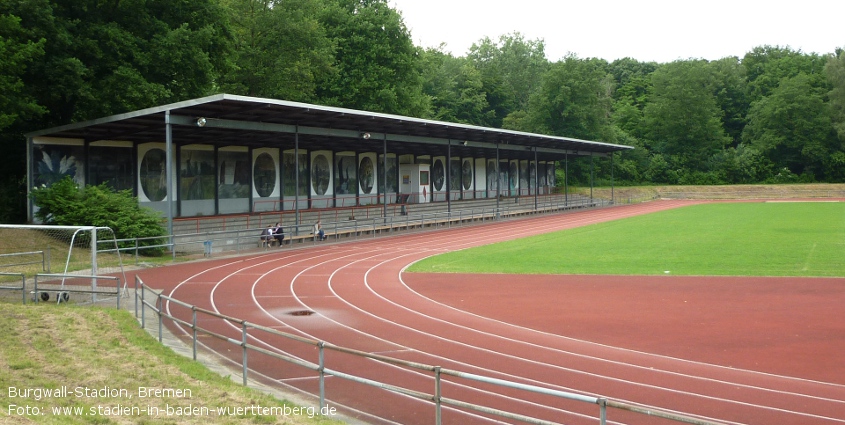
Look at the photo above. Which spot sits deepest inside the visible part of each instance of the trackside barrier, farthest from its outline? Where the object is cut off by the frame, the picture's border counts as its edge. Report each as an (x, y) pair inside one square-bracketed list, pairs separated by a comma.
[(44, 261), (21, 288), (322, 371), (63, 289), (243, 240)]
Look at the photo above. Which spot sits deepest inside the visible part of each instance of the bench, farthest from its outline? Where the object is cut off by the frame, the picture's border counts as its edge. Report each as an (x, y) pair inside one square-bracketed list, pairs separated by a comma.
[(266, 241)]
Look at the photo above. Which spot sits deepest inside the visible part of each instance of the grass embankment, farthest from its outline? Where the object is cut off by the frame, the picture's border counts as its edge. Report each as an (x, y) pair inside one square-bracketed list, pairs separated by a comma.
[(739, 191), (733, 239), (109, 370)]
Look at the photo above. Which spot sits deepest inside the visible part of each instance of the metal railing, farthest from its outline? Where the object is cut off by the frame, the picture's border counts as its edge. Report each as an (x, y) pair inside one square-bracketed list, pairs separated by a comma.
[(240, 240), (25, 261), (65, 288), (247, 333), (21, 288)]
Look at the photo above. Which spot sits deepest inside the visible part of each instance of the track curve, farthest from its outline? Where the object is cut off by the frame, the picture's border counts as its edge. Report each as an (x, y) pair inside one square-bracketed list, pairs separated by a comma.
[(633, 339)]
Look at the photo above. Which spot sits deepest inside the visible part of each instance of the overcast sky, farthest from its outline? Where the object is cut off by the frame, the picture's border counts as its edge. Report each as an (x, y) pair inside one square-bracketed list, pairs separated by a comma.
[(646, 30)]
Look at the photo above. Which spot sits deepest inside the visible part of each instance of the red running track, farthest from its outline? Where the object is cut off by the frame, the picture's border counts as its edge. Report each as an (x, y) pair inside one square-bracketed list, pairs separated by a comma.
[(736, 350)]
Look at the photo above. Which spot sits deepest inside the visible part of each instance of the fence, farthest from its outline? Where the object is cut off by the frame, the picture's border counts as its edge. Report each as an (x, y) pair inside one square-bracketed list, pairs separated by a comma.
[(240, 240), (8, 287), (62, 285), (18, 259), (247, 332)]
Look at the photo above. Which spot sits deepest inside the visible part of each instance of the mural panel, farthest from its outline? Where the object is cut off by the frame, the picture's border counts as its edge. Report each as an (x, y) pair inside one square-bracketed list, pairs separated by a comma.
[(346, 181), (438, 175), (513, 177), (466, 174), (153, 175), (523, 178), (112, 166), (366, 175), (234, 175), (196, 174), (492, 179), (320, 175), (264, 175), (52, 163), (391, 169), (455, 175)]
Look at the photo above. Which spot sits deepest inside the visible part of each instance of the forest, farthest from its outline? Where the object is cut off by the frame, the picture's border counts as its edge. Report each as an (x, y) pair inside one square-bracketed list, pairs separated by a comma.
[(775, 115)]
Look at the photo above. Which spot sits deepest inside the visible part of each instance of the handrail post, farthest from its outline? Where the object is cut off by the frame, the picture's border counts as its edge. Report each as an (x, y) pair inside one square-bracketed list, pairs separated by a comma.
[(322, 371), (602, 402), (194, 328), (438, 420), (159, 304), (143, 306), (245, 349)]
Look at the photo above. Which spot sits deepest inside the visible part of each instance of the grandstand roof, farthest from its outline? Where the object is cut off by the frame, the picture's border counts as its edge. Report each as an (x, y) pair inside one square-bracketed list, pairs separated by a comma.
[(232, 120)]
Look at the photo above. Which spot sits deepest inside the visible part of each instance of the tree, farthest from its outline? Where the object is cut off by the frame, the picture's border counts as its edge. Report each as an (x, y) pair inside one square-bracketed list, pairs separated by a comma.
[(835, 70), (455, 89), (511, 70), (18, 53), (730, 89), (103, 58), (766, 66), (792, 128), (633, 83), (281, 49), (682, 117), (377, 65), (573, 100)]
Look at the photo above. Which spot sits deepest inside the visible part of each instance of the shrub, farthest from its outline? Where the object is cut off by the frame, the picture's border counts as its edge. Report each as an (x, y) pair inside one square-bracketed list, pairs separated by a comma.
[(64, 203)]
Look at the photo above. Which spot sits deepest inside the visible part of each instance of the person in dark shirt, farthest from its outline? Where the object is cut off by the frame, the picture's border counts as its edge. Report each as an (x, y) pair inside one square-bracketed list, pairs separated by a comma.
[(279, 234)]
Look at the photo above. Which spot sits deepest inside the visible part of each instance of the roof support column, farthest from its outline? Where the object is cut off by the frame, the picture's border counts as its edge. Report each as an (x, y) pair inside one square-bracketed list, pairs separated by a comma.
[(296, 179), (384, 177), (536, 180), (449, 178), (611, 179), (591, 177), (168, 171), (498, 180), (566, 180)]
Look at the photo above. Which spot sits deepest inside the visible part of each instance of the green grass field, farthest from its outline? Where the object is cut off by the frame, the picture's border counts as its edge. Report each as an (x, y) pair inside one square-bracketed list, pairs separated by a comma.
[(720, 239)]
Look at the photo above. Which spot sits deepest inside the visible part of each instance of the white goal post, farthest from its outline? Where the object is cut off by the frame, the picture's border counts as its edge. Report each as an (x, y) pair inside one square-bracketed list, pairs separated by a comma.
[(65, 253)]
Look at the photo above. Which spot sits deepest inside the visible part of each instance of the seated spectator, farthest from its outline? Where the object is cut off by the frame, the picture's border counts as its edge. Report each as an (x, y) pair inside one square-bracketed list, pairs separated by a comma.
[(267, 236), (279, 233), (318, 231)]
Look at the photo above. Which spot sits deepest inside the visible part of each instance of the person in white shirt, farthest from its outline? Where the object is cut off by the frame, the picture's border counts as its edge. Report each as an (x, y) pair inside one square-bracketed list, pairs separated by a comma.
[(318, 231)]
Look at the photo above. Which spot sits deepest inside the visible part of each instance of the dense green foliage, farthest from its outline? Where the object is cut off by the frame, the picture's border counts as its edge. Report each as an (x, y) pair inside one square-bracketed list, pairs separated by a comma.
[(728, 239), (65, 203), (774, 115)]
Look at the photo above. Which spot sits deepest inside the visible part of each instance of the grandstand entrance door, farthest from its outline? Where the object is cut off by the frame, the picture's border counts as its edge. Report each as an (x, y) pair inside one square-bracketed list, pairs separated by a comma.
[(415, 182)]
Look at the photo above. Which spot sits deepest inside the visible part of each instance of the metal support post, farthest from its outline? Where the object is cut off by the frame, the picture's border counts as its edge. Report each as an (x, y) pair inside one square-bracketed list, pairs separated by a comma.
[(322, 372), (245, 352), (194, 328)]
